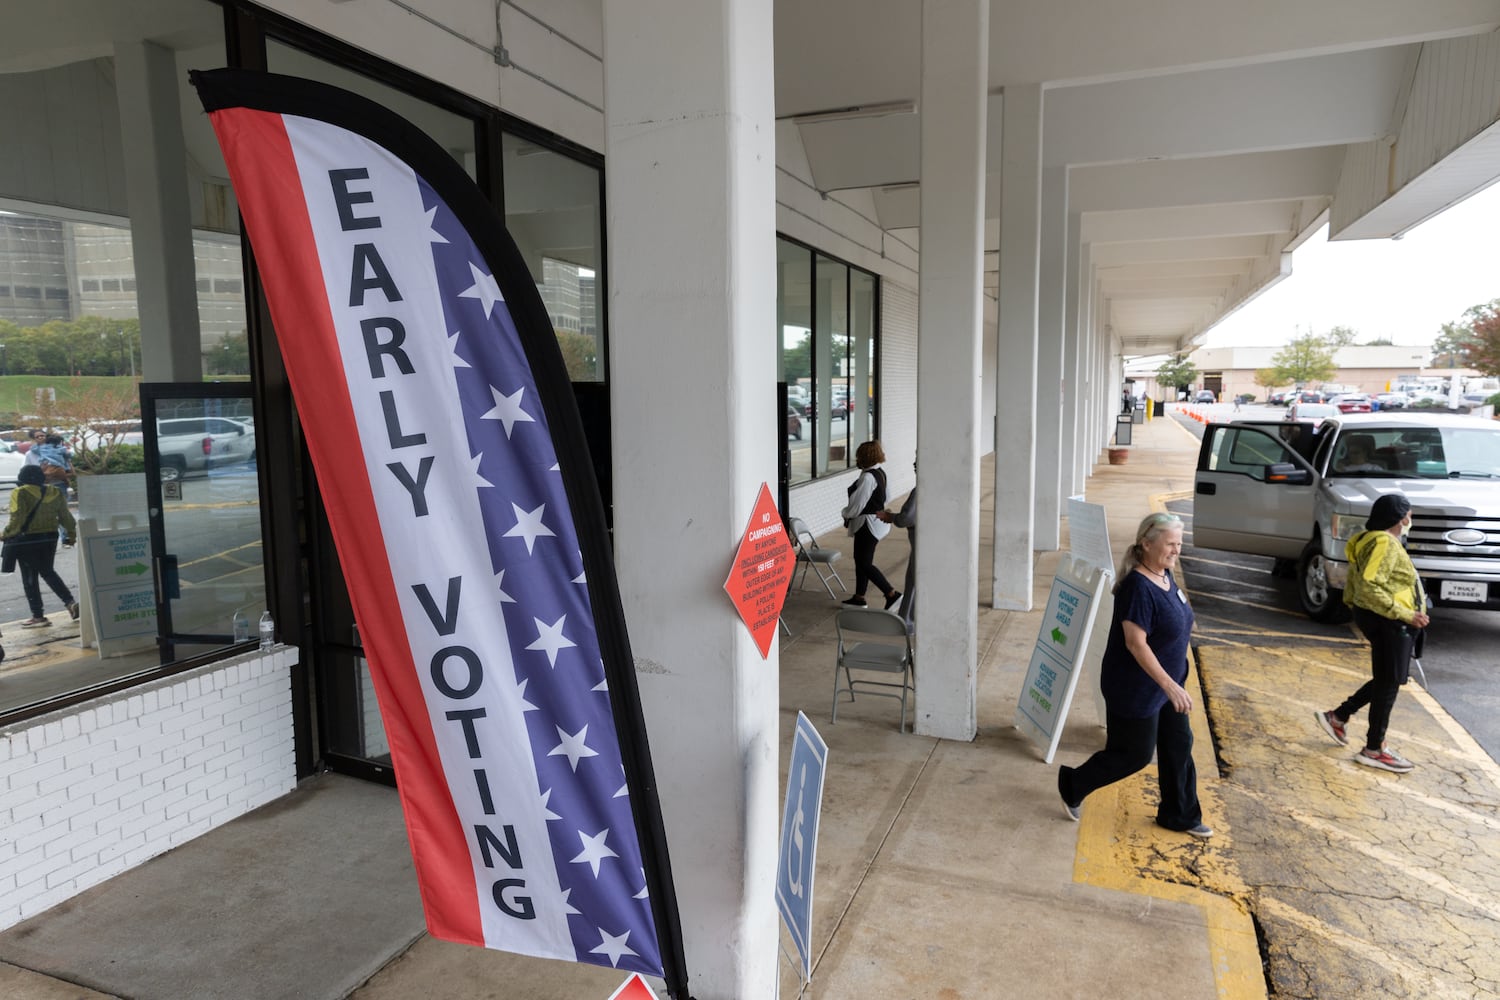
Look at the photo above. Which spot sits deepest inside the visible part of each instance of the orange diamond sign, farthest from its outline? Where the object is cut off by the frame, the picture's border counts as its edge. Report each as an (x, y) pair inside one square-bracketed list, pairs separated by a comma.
[(762, 571)]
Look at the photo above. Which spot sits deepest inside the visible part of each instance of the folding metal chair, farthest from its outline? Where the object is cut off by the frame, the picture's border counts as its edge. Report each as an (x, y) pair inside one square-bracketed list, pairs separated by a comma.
[(873, 641), (810, 554)]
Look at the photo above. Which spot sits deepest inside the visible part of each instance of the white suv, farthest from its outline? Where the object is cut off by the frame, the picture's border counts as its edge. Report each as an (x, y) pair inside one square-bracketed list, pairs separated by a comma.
[(1298, 493)]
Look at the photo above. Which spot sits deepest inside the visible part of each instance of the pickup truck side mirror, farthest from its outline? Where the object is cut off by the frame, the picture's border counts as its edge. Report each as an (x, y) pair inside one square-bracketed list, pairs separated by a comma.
[(1287, 474)]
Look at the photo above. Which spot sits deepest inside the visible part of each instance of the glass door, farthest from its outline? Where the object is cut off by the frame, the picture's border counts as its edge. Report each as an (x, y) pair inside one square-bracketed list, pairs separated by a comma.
[(203, 503)]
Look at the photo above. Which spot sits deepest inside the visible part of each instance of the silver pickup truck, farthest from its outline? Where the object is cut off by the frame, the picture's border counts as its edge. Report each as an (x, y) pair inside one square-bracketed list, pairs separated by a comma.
[(189, 445), (1298, 493)]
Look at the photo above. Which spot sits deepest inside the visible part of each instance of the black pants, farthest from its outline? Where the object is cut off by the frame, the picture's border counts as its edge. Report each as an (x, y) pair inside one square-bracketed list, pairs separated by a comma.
[(1127, 749), (1390, 666), (865, 570), (35, 563)]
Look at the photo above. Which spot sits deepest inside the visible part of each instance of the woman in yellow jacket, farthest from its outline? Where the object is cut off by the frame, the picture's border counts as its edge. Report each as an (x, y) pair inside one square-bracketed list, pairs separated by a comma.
[(40, 510), (1390, 608)]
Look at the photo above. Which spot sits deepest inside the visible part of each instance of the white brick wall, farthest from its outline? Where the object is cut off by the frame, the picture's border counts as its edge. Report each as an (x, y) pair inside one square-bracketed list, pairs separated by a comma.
[(94, 790)]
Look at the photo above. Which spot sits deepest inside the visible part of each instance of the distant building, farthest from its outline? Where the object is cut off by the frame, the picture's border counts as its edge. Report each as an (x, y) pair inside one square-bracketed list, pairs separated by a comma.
[(1230, 371)]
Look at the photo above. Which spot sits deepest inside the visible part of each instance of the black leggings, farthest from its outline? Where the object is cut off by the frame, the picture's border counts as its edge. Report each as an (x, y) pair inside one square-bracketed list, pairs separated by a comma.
[(865, 570), (35, 562), (1390, 666)]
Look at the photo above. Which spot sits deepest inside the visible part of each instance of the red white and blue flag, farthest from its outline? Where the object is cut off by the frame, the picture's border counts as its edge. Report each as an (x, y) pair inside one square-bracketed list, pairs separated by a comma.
[(452, 464)]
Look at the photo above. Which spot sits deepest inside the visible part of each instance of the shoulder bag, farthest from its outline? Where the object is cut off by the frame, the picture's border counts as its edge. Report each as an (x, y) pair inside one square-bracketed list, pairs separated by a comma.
[(12, 545)]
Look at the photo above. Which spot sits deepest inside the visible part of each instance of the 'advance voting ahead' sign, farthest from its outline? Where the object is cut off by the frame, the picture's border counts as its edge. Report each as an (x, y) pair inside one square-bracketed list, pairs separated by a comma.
[(1062, 640), (799, 837)]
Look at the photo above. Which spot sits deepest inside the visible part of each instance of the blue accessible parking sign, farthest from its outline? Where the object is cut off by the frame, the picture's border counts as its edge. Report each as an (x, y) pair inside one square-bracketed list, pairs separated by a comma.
[(799, 837)]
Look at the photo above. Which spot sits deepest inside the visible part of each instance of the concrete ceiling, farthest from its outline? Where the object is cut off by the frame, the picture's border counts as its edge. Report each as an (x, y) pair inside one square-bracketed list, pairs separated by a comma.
[(1200, 141)]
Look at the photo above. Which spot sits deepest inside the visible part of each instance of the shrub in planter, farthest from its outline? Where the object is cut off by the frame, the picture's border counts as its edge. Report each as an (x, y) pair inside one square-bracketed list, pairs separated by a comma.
[(122, 458)]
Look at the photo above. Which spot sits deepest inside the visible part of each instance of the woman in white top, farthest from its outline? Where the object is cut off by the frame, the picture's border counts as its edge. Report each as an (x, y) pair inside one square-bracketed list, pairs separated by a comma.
[(866, 500)]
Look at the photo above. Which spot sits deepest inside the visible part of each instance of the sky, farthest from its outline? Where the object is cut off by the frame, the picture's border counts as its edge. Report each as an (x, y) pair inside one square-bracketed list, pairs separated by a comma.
[(1403, 289)]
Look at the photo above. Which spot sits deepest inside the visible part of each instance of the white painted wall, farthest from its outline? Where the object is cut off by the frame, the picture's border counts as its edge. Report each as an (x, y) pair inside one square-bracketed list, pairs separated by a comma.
[(96, 789)]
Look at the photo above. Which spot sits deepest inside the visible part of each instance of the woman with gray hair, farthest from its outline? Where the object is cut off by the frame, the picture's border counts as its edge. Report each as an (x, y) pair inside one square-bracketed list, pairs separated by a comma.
[(1142, 676)]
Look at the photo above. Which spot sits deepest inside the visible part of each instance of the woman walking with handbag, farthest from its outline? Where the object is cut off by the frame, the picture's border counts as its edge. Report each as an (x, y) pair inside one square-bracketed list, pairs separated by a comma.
[(37, 510), (1390, 608)]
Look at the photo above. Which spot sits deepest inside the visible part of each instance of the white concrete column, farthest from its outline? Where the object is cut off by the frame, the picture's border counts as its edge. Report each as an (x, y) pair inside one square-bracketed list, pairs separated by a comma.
[(1073, 365), (1016, 401), (161, 227), (692, 293), (1051, 380), (950, 314)]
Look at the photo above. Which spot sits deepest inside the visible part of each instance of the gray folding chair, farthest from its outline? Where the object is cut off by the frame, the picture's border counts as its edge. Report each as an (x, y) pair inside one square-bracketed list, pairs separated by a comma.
[(821, 560), (873, 641)]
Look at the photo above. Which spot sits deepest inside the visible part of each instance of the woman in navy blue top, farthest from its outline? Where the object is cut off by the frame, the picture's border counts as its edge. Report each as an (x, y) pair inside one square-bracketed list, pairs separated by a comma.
[(1142, 676)]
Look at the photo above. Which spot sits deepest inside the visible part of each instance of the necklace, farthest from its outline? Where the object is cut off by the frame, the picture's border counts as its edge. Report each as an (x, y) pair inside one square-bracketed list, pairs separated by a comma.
[(1154, 574)]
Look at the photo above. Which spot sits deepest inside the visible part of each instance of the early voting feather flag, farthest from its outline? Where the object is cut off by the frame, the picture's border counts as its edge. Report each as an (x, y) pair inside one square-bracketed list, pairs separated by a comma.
[(452, 462)]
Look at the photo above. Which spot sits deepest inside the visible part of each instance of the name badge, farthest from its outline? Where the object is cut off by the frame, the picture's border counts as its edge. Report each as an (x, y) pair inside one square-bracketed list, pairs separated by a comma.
[(1182, 597)]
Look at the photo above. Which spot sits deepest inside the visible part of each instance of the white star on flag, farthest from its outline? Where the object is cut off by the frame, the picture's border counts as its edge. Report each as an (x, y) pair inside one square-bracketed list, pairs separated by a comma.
[(433, 236), (572, 747), (529, 526), (551, 639), (526, 706), (500, 588), (594, 850), (567, 906), (485, 288), (547, 813), (458, 361), (507, 410), (480, 483), (612, 945)]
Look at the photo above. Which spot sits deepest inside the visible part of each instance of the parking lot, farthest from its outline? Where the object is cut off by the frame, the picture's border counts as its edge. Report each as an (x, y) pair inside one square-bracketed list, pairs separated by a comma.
[(1362, 884)]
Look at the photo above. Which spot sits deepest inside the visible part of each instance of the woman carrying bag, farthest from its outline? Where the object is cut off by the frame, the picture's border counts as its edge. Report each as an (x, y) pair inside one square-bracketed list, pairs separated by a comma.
[(37, 510)]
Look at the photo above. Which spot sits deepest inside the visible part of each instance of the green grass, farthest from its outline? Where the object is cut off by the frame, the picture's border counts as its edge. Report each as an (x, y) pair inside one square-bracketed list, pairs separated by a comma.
[(18, 392)]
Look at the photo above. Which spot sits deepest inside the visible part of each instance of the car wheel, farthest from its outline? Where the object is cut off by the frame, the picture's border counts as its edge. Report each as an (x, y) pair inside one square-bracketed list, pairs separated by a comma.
[(1323, 603), (171, 472)]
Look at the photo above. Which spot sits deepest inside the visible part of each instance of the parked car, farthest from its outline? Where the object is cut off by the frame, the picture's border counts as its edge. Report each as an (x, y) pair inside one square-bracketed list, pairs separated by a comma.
[(1315, 413), (188, 445), (1279, 398), (1351, 402), (1390, 401), (12, 457), (1289, 491), (1205, 396), (793, 423), (1308, 396)]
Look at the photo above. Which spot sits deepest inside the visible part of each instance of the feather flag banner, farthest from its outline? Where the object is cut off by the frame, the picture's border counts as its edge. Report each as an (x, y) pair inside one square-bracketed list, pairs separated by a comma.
[(451, 458)]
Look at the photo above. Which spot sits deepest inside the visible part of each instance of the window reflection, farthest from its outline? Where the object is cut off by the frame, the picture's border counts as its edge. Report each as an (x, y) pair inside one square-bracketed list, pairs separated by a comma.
[(826, 313)]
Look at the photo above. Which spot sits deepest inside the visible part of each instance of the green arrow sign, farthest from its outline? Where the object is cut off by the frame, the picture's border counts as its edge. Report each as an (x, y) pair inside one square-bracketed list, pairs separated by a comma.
[(1059, 637), (134, 569)]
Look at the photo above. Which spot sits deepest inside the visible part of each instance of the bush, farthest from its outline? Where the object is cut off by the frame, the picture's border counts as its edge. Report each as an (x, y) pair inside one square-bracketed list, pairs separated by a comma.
[(122, 458)]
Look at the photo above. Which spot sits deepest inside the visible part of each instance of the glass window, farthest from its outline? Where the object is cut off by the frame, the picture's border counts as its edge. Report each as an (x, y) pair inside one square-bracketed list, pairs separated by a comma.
[(827, 312), (794, 351), (552, 210), (71, 353)]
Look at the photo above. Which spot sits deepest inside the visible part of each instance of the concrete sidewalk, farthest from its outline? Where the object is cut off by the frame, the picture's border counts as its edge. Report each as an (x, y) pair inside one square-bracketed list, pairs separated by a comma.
[(944, 869)]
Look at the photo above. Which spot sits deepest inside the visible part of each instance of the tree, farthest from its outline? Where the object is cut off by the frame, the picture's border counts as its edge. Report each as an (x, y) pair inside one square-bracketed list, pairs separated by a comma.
[(1450, 349), (1268, 378), (1308, 358), (1340, 336), (1484, 351), (1179, 373), (580, 354)]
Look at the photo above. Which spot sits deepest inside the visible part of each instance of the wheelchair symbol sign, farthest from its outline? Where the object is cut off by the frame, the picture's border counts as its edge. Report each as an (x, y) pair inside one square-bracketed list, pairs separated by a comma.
[(799, 837)]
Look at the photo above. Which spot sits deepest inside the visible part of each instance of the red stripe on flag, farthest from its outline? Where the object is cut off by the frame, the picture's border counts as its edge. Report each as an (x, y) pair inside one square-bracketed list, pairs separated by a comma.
[(264, 173)]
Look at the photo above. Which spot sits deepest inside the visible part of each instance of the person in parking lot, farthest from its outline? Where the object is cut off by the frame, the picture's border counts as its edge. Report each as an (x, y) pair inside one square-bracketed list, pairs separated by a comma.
[(1142, 676), (1390, 609), (37, 511), (33, 456), (866, 499)]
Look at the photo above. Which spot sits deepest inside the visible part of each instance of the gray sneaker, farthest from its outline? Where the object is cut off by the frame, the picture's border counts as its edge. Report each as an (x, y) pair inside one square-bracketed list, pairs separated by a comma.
[(1385, 759)]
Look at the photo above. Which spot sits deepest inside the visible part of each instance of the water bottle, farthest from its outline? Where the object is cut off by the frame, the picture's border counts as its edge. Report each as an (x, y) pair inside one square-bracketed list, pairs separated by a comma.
[(241, 626), (267, 630)]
